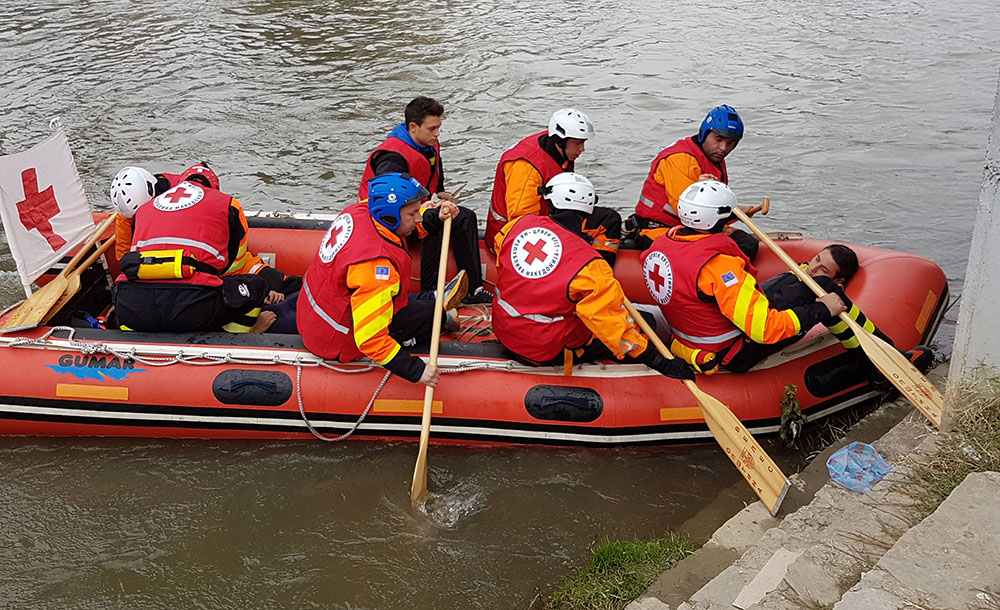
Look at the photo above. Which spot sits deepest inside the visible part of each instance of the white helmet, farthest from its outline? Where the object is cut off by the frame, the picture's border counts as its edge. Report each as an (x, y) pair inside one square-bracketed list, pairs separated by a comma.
[(570, 123), (570, 191), (703, 204), (132, 187)]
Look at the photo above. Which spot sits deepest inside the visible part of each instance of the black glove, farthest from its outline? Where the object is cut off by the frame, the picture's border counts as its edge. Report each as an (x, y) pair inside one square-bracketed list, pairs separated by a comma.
[(671, 367)]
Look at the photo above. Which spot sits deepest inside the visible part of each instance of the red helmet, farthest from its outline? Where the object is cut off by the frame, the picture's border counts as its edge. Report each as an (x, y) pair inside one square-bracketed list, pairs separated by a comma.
[(201, 169)]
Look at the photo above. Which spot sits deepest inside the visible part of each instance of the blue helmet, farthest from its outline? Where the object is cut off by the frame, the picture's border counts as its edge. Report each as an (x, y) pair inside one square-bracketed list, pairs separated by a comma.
[(723, 120), (388, 193)]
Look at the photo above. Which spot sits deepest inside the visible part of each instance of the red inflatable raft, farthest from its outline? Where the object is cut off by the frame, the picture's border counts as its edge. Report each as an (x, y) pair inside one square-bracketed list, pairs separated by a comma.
[(63, 380)]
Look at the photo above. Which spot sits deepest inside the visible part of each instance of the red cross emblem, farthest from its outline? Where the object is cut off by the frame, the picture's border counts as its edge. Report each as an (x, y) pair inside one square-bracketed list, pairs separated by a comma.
[(536, 252), (656, 276), (38, 209), (176, 195)]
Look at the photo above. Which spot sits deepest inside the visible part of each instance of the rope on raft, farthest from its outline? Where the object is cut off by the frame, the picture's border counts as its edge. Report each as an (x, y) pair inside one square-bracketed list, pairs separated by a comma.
[(206, 359)]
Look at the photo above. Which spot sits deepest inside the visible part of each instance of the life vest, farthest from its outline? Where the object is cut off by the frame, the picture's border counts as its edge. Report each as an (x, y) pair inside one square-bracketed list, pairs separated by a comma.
[(533, 315), (180, 236), (653, 201), (429, 175), (671, 268), (531, 151), (324, 306)]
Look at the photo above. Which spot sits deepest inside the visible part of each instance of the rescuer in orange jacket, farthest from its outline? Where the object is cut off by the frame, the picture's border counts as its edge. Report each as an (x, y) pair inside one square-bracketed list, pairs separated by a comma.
[(707, 290), (412, 147), (528, 165), (134, 186), (556, 293), (699, 157), (354, 300), (171, 277)]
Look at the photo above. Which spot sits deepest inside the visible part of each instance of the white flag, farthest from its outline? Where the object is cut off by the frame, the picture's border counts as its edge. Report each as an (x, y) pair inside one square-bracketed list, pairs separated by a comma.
[(44, 208)]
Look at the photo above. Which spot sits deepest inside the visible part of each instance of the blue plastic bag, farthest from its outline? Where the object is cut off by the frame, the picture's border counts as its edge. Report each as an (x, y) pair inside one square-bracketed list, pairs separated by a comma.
[(857, 467)]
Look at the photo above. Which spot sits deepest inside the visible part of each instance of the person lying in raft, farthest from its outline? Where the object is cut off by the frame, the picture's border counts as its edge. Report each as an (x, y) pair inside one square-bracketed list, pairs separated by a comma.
[(707, 290), (557, 299), (132, 187), (354, 299), (832, 268)]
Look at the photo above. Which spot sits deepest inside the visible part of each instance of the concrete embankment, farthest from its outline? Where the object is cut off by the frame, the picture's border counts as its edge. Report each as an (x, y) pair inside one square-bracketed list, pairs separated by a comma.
[(834, 548)]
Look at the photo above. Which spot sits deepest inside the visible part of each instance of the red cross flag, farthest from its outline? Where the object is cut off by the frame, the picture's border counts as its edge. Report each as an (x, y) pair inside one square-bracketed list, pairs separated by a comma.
[(44, 208)]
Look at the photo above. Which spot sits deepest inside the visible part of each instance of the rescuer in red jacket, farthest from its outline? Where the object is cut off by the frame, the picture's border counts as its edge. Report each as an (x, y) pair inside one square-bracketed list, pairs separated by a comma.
[(412, 147), (527, 166), (699, 157), (557, 298), (354, 299)]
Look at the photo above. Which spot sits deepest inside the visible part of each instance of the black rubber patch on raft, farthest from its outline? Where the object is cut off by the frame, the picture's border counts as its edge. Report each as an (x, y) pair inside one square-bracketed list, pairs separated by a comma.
[(562, 403), (250, 387)]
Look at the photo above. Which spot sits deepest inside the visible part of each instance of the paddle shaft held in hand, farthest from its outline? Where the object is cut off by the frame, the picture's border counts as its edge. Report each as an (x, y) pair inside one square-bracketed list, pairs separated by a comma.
[(756, 466), (886, 358), (419, 487)]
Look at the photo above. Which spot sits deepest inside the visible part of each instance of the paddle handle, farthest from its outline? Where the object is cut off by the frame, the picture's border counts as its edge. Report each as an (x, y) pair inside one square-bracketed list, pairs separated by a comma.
[(91, 240), (419, 487)]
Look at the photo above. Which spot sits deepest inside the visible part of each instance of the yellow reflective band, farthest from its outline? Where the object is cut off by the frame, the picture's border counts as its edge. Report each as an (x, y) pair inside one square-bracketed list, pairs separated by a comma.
[(373, 304), (242, 256), (395, 350), (759, 324), (868, 326), (851, 343), (839, 327), (245, 324), (368, 330), (854, 312), (795, 319), (178, 268), (743, 302)]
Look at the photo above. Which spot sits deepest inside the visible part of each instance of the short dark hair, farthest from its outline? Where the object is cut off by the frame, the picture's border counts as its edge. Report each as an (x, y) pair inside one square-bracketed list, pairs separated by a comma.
[(846, 259), (422, 107)]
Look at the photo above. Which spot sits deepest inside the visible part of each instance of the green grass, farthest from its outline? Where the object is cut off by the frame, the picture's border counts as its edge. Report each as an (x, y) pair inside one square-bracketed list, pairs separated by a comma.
[(618, 572), (970, 442)]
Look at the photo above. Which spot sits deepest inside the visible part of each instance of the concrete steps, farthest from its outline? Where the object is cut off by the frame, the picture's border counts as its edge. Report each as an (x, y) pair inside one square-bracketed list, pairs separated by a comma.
[(851, 551)]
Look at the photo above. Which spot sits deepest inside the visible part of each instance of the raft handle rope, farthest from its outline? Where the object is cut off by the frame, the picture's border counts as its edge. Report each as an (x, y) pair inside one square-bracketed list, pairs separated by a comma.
[(206, 359)]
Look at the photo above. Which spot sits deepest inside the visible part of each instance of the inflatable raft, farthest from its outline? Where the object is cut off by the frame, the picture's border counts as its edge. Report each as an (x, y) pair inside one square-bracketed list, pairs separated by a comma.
[(69, 379)]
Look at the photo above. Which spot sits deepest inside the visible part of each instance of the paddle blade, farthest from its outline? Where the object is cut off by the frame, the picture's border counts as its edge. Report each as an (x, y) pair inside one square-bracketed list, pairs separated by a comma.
[(750, 459), (72, 287), (34, 309), (418, 490), (907, 378)]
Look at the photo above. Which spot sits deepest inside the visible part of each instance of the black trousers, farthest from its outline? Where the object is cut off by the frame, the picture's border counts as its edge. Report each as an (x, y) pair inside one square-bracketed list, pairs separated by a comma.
[(464, 244), (170, 307)]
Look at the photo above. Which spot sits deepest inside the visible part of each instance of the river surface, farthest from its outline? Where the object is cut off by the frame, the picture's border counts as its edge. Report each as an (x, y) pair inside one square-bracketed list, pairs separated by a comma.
[(866, 121)]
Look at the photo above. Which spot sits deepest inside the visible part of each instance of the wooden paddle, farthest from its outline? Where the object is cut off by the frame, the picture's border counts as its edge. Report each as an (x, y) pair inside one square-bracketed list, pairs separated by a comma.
[(35, 308), (886, 358), (419, 488), (73, 278), (756, 466)]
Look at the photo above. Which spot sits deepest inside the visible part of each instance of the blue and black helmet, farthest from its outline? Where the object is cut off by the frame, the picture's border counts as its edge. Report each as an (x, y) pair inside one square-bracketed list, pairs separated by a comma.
[(723, 120), (388, 193)]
